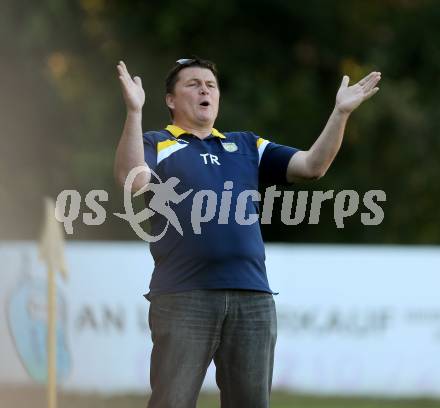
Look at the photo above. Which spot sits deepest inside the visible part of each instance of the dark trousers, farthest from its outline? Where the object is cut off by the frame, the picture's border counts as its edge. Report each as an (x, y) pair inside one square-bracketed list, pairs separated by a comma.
[(236, 328)]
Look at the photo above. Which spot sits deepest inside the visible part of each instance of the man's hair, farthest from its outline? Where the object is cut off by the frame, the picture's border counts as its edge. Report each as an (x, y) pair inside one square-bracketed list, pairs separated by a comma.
[(173, 74)]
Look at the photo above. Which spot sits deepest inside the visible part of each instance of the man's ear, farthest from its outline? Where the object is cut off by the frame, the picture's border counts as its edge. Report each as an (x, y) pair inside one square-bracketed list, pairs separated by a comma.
[(169, 100)]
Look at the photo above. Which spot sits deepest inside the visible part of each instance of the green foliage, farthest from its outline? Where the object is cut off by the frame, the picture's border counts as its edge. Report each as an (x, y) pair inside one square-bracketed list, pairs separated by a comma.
[(280, 65)]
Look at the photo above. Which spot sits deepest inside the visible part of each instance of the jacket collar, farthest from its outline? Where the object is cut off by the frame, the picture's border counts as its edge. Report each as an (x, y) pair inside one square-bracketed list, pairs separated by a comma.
[(176, 131)]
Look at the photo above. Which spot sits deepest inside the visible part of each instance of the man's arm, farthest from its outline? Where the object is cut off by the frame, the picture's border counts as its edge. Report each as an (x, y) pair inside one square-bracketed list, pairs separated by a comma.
[(313, 163), (130, 150)]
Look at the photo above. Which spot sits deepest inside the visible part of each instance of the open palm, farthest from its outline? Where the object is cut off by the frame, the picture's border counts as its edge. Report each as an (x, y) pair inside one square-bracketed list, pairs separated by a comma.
[(134, 95), (349, 98)]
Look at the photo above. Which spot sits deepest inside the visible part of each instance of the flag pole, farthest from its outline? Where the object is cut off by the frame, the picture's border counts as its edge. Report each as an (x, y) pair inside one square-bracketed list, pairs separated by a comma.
[(52, 253), (51, 343)]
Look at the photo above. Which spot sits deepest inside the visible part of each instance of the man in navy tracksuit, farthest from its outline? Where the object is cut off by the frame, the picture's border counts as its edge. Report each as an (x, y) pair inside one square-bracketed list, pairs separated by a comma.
[(209, 294)]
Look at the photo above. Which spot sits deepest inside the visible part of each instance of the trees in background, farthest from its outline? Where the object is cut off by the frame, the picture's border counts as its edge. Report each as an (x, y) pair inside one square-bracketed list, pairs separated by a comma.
[(280, 65)]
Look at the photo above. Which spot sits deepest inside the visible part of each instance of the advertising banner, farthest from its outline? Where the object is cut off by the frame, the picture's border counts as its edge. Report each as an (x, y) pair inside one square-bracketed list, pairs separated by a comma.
[(351, 319)]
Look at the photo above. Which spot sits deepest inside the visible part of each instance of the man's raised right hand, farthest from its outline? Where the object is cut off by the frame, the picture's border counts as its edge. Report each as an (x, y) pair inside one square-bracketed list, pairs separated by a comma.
[(132, 91)]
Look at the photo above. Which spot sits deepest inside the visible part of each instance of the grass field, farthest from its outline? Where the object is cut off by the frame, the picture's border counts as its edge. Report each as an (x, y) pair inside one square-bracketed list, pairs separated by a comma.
[(35, 398)]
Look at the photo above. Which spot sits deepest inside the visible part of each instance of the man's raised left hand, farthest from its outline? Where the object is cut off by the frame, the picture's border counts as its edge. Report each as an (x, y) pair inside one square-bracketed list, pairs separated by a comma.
[(349, 98)]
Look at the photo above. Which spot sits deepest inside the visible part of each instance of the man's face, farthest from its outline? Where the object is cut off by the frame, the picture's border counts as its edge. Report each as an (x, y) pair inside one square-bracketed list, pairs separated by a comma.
[(196, 97)]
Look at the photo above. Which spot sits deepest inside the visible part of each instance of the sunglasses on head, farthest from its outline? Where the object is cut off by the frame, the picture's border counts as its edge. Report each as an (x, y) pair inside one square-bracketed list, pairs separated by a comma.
[(185, 61)]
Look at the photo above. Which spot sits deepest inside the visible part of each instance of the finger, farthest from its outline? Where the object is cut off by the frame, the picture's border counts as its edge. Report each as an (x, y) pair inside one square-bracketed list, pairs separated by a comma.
[(138, 81), (364, 80), (370, 79), (120, 69), (371, 93), (371, 83), (123, 79), (345, 81), (122, 64), (124, 69), (124, 83)]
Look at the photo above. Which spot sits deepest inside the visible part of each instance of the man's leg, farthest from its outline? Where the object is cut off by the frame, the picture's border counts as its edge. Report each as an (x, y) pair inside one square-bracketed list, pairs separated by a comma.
[(185, 329), (244, 359)]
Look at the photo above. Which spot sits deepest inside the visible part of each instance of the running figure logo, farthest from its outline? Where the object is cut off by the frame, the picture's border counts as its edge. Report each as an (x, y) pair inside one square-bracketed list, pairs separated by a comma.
[(164, 193)]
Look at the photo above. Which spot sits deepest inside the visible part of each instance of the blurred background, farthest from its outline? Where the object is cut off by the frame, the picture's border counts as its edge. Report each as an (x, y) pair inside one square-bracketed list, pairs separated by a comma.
[(280, 65)]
